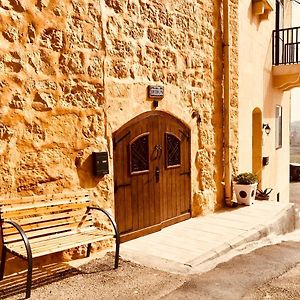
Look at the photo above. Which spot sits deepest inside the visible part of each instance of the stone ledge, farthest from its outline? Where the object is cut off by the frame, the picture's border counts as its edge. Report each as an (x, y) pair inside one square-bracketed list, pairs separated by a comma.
[(262, 7), (286, 77)]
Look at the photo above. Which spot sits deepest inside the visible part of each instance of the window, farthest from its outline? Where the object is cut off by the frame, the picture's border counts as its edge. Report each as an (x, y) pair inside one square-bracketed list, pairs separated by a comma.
[(139, 154), (278, 126), (172, 150)]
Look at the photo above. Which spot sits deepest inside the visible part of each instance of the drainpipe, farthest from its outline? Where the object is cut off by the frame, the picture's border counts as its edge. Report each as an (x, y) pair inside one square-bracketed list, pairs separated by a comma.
[(226, 105)]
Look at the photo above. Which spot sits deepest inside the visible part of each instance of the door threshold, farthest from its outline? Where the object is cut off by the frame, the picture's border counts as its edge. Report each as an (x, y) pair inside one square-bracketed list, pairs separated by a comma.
[(154, 228)]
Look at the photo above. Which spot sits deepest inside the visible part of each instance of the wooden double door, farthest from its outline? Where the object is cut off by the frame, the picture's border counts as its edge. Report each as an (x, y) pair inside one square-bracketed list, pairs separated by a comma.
[(152, 181)]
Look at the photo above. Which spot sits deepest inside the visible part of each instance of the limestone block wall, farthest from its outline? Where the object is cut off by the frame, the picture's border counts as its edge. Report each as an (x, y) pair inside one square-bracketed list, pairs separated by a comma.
[(72, 72), (52, 96)]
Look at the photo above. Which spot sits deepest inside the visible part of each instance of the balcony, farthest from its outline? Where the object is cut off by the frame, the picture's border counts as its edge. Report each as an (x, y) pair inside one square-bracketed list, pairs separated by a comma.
[(286, 58)]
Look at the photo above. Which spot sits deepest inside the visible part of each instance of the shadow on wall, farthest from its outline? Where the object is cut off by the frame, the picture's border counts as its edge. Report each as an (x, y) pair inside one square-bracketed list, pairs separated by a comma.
[(85, 172)]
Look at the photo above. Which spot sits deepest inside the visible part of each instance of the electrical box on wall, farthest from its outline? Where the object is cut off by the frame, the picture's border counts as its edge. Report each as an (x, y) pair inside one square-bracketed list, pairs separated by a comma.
[(100, 163), (266, 160)]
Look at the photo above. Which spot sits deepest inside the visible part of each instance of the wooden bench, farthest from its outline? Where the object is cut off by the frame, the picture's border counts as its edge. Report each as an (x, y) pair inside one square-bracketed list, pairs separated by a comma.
[(35, 226)]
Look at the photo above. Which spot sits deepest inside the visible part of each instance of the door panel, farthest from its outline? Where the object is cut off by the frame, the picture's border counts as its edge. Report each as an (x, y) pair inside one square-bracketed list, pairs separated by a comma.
[(122, 186), (151, 173), (176, 170)]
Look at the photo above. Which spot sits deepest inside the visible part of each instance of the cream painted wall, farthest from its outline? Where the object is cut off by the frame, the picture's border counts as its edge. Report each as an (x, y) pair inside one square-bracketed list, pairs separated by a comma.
[(255, 90)]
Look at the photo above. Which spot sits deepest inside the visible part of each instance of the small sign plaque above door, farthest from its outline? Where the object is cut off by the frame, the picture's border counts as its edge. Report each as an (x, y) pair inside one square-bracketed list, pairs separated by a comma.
[(155, 92)]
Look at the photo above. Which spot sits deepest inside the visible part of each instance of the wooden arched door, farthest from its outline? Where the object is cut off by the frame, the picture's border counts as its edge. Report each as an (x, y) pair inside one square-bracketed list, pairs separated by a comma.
[(151, 174)]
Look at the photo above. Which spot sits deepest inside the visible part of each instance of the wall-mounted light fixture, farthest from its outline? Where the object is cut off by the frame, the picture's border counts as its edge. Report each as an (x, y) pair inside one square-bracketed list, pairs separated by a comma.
[(267, 128)]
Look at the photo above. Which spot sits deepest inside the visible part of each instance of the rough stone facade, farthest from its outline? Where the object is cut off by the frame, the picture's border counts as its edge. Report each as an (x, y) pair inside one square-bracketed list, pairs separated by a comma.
[(72, 72)]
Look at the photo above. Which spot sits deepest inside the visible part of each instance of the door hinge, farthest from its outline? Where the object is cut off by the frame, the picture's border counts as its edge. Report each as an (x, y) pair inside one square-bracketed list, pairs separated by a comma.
[(120, 186), (185, 134), (186, 173), (117, 141)]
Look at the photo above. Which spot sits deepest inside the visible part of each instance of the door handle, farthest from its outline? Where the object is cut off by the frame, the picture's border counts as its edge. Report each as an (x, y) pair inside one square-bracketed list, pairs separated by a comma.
[(157, 152), (157, 172)]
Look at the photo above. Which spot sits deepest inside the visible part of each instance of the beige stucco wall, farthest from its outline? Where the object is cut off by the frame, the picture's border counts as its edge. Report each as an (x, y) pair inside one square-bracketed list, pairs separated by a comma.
[(72, 72), (256, 91)]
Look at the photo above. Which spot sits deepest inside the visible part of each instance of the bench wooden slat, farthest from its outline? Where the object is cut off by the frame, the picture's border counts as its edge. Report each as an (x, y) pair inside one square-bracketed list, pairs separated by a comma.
[(83, 237), (27, 199), (50, 217), (81, 240), (37, 198), (48, 231), (43, 210), (60, 244), (76, 219), (40, 204), (45, 239), (63, 229)]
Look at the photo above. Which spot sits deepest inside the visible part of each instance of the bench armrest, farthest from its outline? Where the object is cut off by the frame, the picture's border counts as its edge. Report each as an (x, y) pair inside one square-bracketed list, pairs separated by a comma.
[(113, 222), (117, 234), (23, 235)]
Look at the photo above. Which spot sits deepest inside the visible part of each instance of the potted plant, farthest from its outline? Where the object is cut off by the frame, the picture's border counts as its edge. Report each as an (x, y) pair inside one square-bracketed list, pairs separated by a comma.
[(245, 187), (263, 194)]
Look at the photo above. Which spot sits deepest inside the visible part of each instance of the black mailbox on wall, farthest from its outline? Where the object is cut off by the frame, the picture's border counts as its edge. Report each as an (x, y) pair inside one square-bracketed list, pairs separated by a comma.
[(100, 163)]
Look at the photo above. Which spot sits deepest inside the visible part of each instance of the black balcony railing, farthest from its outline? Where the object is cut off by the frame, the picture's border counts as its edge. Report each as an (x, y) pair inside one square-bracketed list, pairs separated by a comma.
[(286, 46)]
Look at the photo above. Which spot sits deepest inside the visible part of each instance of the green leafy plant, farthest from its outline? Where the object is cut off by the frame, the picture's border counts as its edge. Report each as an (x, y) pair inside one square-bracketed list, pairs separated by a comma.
[(246, 178)]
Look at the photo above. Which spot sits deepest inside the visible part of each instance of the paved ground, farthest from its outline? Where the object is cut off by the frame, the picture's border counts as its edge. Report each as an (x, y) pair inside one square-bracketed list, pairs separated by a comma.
[(184, 247), (93, 281), (271, 272)]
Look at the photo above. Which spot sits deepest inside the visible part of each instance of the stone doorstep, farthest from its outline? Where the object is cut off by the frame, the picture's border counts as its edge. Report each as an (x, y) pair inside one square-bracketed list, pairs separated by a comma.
[(183, 259)]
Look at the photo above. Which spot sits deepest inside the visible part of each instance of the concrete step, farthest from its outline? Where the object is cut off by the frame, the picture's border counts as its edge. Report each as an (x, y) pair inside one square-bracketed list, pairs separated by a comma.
[(183, 247)]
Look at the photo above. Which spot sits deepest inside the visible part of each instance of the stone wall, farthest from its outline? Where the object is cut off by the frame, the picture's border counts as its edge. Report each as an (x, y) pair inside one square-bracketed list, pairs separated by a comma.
[(234, 73), (52, 96), (72, 72)]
